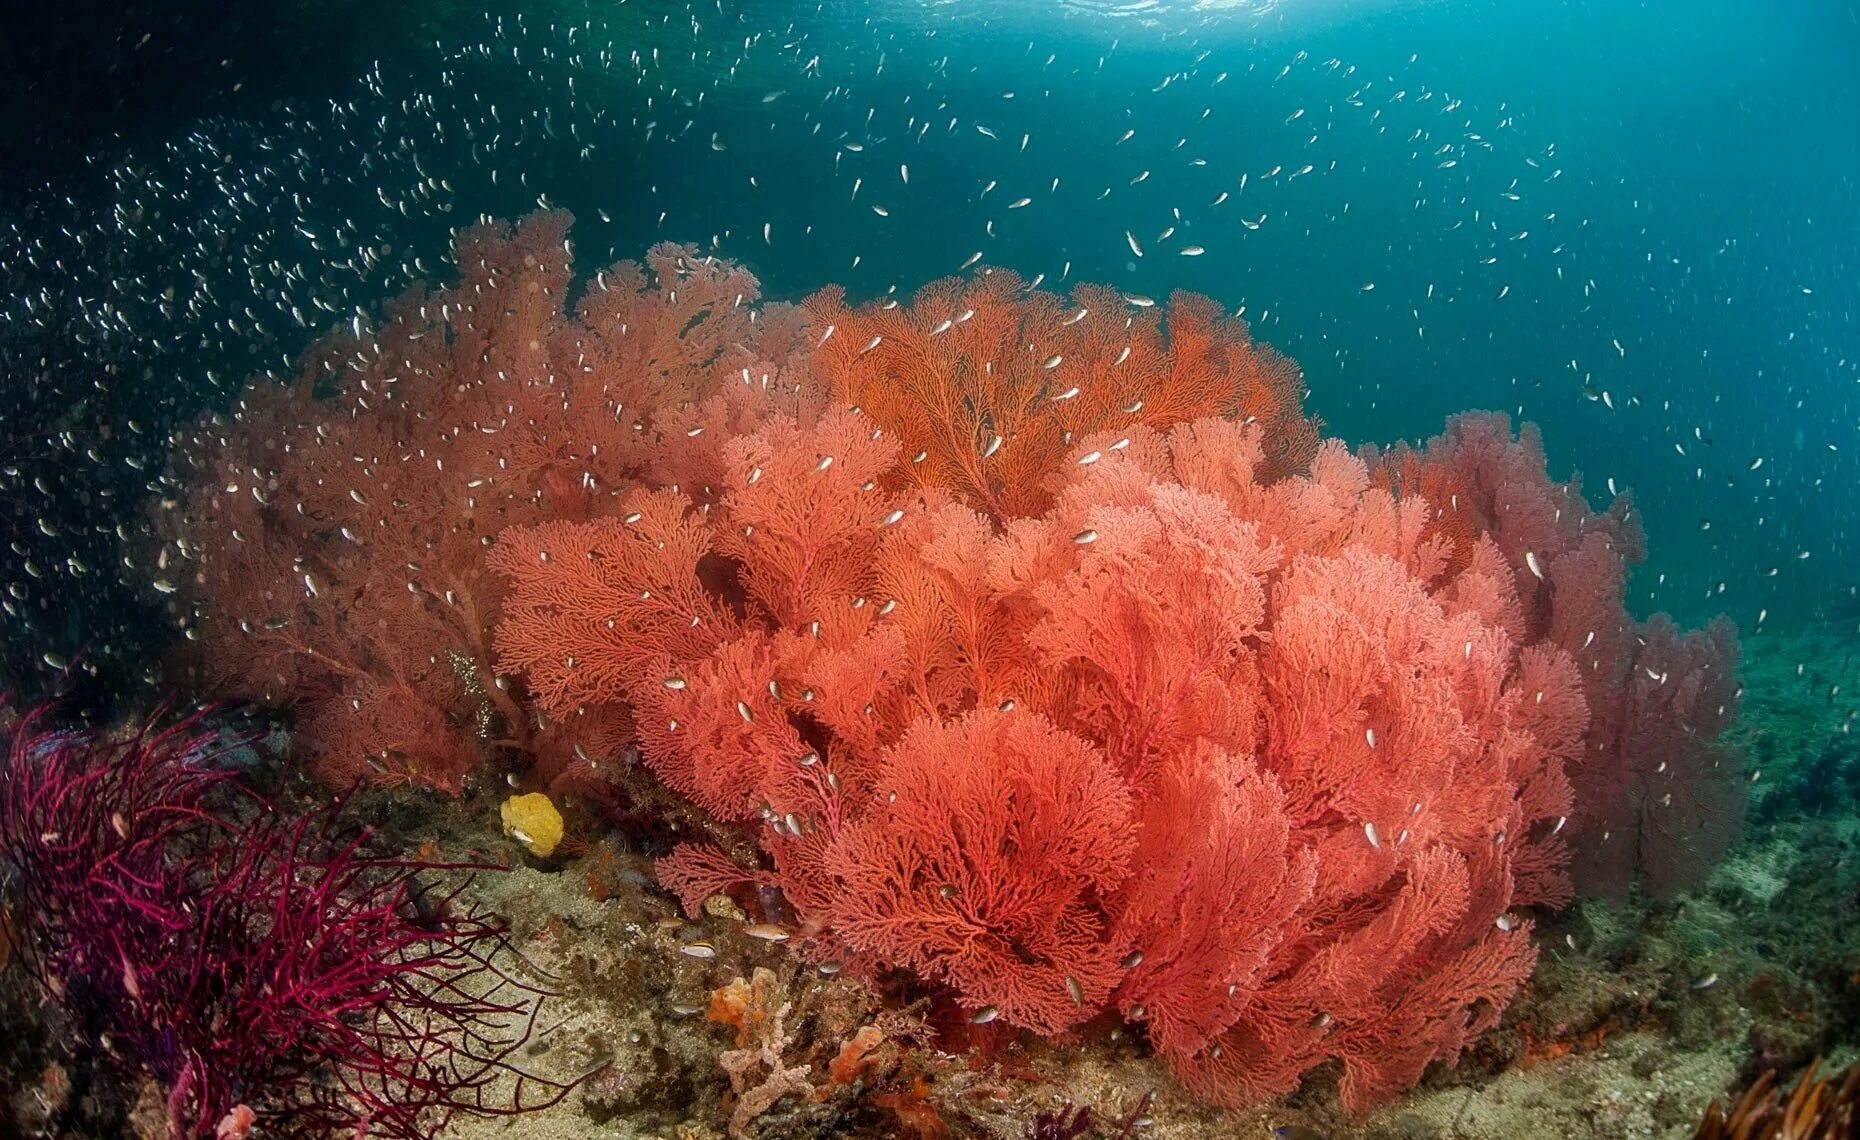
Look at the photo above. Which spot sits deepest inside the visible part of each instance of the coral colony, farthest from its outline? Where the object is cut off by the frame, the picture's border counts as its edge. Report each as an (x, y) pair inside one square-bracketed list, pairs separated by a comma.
[(1037, 647), (260, 967)]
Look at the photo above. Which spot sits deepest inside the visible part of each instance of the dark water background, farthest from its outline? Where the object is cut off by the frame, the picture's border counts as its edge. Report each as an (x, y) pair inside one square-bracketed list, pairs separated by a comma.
[(176, 179)]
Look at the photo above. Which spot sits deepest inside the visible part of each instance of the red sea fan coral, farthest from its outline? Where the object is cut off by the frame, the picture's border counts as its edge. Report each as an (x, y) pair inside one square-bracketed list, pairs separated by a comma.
[(620, 607), (1149, 624), (1219, 886), (804, 519), (987, 384), (242, 957), (997, 632), (1480, 479), (1244, 700), (983, 866), (1674, 793), (1656, 798), (594, 605), (1410, 773), (325, 548)]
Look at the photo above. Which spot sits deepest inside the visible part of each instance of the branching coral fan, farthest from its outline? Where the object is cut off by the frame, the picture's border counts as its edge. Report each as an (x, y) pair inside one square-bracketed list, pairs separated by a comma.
[(1046, 653), (329, 541), (974, 364), (1659, 802), (258, 966)]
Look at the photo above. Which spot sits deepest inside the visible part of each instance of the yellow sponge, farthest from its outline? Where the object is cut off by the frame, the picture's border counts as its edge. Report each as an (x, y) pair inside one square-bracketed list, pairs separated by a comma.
[(533, 821)]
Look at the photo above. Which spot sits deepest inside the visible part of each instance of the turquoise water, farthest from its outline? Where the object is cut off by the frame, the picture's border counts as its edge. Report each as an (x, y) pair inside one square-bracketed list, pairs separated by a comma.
[(1636, 226)]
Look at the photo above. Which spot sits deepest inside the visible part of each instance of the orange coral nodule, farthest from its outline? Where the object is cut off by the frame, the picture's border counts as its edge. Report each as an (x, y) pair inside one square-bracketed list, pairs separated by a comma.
[(916, 1115), (729, 1005), (855, 1055), (743, 1003)]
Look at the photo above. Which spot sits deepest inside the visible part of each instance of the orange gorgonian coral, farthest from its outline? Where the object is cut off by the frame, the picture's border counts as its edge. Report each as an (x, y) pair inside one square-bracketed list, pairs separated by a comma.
[(986, 384)]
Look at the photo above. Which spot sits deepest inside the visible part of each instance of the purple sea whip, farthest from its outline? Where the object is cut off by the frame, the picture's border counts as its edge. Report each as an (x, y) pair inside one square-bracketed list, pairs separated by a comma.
[(261, 965)]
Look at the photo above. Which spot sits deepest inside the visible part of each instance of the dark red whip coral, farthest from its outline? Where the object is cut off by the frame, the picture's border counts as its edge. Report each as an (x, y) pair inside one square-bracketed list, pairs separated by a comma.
[(249, 959)]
